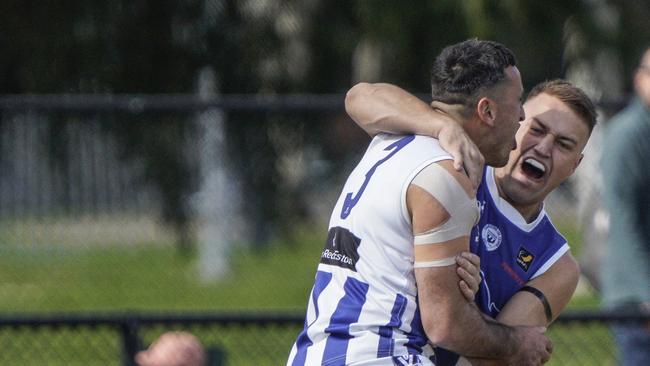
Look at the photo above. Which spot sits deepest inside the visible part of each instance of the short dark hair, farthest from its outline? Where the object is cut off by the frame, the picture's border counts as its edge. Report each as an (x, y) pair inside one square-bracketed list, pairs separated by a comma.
[(575, 98), (464, 69)]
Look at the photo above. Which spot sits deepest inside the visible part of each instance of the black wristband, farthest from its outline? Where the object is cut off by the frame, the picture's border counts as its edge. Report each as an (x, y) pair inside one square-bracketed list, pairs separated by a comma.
[(540, 295)]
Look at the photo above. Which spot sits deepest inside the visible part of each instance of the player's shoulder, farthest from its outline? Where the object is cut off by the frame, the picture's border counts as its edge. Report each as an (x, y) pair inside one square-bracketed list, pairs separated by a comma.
[(565, 268), (416, 143), (568, 263), (549, 227), (459, 176), (429, 145)]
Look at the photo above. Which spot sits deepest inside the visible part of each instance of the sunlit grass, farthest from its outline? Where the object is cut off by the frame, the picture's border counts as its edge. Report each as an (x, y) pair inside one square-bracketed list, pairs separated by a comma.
[(151, 277), (154, 277)]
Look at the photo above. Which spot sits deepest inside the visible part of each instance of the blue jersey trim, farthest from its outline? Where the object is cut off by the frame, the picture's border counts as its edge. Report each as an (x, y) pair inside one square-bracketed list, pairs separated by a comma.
[(416, 337), (347, 312), (386, 342), (303, 342)]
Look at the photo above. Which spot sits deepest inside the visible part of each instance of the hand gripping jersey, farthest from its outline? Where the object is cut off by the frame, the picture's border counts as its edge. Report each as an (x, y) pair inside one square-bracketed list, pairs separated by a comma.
[(363, 308), (512, 251)]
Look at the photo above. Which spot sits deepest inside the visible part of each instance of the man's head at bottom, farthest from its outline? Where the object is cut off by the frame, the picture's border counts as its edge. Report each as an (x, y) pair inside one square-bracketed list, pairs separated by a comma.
[(173, 349)]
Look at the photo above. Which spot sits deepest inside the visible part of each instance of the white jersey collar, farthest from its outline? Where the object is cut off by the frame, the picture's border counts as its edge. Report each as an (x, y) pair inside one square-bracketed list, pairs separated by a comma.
[(506, 208)]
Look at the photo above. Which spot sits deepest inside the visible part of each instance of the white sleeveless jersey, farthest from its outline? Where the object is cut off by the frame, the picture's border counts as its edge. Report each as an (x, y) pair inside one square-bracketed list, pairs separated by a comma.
[(363, 307)]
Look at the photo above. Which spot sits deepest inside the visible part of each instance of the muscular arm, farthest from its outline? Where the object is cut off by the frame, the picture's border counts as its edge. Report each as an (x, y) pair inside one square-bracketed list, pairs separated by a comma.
[(448, 319), (558, 284), (453, 323), (387, 108)]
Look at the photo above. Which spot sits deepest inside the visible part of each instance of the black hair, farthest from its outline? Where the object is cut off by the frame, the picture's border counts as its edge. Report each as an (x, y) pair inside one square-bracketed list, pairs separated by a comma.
[(464, 69)]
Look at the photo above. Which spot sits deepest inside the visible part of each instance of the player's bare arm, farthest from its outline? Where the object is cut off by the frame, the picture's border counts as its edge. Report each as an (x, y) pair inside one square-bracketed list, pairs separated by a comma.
[(538, 306), (387, 108), (382, 107), (549, 296), (449, 320)]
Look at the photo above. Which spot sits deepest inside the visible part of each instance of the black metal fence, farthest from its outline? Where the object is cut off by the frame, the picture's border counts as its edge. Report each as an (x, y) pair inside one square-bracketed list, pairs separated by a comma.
[(233, 339)]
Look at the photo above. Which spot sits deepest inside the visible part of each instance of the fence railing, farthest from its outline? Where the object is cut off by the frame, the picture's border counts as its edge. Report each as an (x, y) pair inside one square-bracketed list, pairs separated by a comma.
[(580, 337), (134, 103), (128, 327)]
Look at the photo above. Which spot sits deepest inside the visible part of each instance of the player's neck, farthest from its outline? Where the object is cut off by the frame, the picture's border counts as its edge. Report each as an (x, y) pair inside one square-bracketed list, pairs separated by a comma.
[(458, 112), (461, 115), (529, 211)]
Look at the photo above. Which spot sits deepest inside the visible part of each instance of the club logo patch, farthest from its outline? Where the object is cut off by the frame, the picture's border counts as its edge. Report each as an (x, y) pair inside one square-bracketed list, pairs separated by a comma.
[(524, 258), (491, 236)]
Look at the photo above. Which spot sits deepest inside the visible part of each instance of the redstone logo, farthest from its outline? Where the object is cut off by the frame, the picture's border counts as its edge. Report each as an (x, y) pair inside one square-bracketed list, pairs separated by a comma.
[(341, 249), (336, 256)]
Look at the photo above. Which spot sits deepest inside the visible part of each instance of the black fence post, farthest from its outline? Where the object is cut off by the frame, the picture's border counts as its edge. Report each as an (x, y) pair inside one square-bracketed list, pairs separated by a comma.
[(130, 340)]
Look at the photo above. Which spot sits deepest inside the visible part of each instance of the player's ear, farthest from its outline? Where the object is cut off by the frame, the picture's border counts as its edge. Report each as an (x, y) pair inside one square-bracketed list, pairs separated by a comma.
[(486, 110)]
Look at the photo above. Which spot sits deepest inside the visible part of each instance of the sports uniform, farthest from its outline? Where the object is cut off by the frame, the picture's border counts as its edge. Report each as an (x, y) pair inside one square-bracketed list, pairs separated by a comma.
[(363, 307), (512, 251)]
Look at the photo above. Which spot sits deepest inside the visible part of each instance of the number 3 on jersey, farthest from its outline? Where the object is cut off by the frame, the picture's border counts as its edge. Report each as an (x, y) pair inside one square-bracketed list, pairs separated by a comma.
[(350, 201)]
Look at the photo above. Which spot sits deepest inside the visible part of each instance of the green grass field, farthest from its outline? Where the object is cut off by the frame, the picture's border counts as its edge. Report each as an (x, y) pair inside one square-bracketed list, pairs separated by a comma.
[(153, 277)]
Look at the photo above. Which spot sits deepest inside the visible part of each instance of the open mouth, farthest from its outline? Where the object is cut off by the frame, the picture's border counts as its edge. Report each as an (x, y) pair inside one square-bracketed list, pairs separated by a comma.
[(533, 168)]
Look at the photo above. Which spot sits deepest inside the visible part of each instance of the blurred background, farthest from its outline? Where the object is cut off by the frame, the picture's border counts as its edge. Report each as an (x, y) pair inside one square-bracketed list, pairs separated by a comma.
[(163, 163)]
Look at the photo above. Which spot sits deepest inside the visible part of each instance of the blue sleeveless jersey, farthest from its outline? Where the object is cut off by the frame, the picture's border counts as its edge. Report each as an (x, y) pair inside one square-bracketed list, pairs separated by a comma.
[(512, 251)]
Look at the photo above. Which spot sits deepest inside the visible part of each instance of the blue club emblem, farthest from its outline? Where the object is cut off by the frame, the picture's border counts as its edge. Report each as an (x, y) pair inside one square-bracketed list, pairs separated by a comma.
[(491, 236)]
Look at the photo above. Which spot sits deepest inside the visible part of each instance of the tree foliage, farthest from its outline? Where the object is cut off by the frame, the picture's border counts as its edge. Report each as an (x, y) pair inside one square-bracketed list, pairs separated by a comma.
[(275, 46)]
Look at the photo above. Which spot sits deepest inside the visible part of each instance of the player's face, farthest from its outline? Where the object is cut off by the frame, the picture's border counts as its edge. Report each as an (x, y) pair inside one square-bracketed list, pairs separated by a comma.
[(509, 113), (549, 148)]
